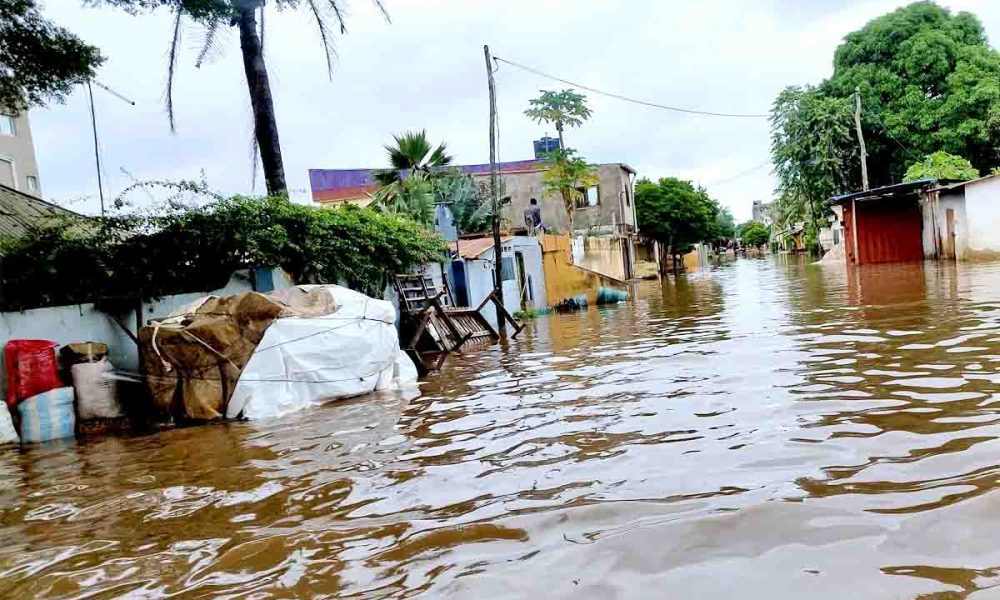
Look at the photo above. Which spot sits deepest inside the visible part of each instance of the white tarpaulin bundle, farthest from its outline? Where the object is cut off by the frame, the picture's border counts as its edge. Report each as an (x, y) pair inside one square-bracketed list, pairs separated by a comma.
[(304, 361)]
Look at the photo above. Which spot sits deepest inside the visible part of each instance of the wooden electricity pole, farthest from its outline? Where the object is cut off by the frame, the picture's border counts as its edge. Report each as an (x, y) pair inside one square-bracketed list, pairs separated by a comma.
[(495, 196), (861, 138)]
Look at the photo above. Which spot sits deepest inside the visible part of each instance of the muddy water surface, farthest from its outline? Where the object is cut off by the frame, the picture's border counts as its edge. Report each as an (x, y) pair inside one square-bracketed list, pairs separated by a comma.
[(765, 429)]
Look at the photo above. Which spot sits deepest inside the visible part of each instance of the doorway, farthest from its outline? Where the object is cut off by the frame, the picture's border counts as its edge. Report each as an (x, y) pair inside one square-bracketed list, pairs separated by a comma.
[(949, 239), (523, 289)]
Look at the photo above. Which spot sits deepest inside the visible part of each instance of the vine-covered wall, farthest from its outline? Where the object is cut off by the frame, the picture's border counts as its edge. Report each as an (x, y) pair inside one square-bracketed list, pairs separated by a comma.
[(123, 259)]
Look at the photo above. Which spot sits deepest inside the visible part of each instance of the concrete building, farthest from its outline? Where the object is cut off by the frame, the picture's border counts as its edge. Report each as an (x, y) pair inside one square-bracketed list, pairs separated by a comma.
[(605, 210), (18, 168), (962, 220), (762, 212), (607, 207)]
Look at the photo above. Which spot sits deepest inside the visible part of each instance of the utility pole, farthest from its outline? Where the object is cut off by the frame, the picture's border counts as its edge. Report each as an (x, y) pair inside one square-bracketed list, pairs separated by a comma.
[(97, 148), (93, 124), (495, 195), (861, 138)]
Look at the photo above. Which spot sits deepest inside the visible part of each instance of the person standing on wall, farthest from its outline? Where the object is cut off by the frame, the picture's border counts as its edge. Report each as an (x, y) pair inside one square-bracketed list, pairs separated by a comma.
[(533, 217)]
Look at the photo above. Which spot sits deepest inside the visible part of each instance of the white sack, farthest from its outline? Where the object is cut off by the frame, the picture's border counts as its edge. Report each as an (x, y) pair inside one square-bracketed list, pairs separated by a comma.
[(8, 435), (302, 362), (96, 396)]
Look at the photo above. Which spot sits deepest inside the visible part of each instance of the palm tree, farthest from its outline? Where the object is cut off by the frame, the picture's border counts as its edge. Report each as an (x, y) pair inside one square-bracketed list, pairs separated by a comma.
[(213, 15), (559, 108), (412, 152), (408, 187)]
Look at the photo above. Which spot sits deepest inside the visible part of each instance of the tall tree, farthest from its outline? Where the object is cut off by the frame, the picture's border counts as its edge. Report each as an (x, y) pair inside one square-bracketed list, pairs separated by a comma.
[(243, 14), (813, 153), (725, 225), (929, 81), (39, 61), (566, 174), (676, 214), (561, 108)]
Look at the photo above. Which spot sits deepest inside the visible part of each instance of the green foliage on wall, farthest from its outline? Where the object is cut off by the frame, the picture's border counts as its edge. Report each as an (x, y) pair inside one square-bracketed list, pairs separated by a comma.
[(185, 250), (941, 165)]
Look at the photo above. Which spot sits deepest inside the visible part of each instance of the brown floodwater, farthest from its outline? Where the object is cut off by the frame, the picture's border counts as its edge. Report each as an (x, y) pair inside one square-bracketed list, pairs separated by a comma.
[(765, 428)]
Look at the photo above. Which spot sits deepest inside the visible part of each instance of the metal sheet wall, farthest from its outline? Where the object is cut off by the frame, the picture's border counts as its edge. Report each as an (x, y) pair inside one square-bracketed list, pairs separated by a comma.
[(888, 231)]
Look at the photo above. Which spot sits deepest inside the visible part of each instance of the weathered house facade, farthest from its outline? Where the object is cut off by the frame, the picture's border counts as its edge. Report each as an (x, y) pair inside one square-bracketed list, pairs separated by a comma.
[(605, 210)]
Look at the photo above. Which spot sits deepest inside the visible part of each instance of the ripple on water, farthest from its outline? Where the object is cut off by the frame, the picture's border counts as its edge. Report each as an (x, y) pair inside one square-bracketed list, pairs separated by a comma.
[(766, 426)]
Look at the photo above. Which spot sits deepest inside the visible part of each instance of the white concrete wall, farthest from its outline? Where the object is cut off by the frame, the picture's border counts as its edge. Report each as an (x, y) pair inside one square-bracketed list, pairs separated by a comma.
[(83, 323), (479, 276), (534, 267), (982, 211)]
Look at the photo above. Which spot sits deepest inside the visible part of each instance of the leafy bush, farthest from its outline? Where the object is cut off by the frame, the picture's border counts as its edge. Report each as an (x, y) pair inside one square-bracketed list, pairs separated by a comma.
[(123, 258), (941, 165)]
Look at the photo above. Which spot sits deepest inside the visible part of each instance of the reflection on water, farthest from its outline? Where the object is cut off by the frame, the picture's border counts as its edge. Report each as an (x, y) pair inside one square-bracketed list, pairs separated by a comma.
[(765, 427)]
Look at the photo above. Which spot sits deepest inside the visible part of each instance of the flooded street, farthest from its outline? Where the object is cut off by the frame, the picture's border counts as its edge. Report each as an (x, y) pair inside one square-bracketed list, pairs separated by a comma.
[(764, 429)]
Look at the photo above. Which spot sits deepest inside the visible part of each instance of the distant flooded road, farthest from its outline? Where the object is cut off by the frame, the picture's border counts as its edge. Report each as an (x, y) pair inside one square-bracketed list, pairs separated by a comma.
[(764, 429)]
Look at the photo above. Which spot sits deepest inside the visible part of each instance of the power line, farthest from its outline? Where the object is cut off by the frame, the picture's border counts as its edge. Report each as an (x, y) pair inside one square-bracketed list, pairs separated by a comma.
[(741, 174), (626, 98), (878, 119)]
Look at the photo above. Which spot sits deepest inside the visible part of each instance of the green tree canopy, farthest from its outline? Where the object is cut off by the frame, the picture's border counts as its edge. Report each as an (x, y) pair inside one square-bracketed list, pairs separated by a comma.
[(725, 225), (561, 108), (928, 81), (811, 148), (941, 165), (675, 213), (754, 233), (39, 60)]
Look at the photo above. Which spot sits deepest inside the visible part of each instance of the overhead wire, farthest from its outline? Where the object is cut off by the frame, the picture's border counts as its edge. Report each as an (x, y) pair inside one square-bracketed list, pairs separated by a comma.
[(632, 100), (738, 175), (875, 115)]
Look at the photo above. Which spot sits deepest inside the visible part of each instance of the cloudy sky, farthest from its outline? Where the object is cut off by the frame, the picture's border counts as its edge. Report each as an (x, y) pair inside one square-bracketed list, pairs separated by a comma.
[(425, 69)]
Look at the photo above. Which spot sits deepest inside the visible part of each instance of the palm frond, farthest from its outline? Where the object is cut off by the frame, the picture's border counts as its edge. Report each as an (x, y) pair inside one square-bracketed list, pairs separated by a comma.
[(440, 157), (387, 177), (339, 15), (411, 150), (324, 34), (385, 13), (210, 44), (175, 44)]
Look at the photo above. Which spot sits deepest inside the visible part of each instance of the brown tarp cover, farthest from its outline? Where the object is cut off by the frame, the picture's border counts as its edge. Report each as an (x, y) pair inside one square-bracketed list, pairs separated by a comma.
[(194, 360)]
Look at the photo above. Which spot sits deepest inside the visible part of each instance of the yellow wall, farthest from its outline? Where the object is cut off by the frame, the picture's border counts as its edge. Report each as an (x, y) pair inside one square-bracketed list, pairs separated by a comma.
[(603, 255), (563, 279)]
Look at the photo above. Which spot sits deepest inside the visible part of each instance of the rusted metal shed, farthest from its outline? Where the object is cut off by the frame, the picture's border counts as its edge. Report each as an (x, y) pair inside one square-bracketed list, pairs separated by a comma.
[(884, 225)]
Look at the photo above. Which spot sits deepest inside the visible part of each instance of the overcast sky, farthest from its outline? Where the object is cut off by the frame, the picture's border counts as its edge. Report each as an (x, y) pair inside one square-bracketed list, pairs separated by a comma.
[(425, 69)]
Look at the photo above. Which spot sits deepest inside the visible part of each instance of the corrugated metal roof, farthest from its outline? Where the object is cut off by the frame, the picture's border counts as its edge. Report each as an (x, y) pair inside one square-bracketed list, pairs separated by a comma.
[(962, 184), (471, 249), (18, 211), (888, 191)]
